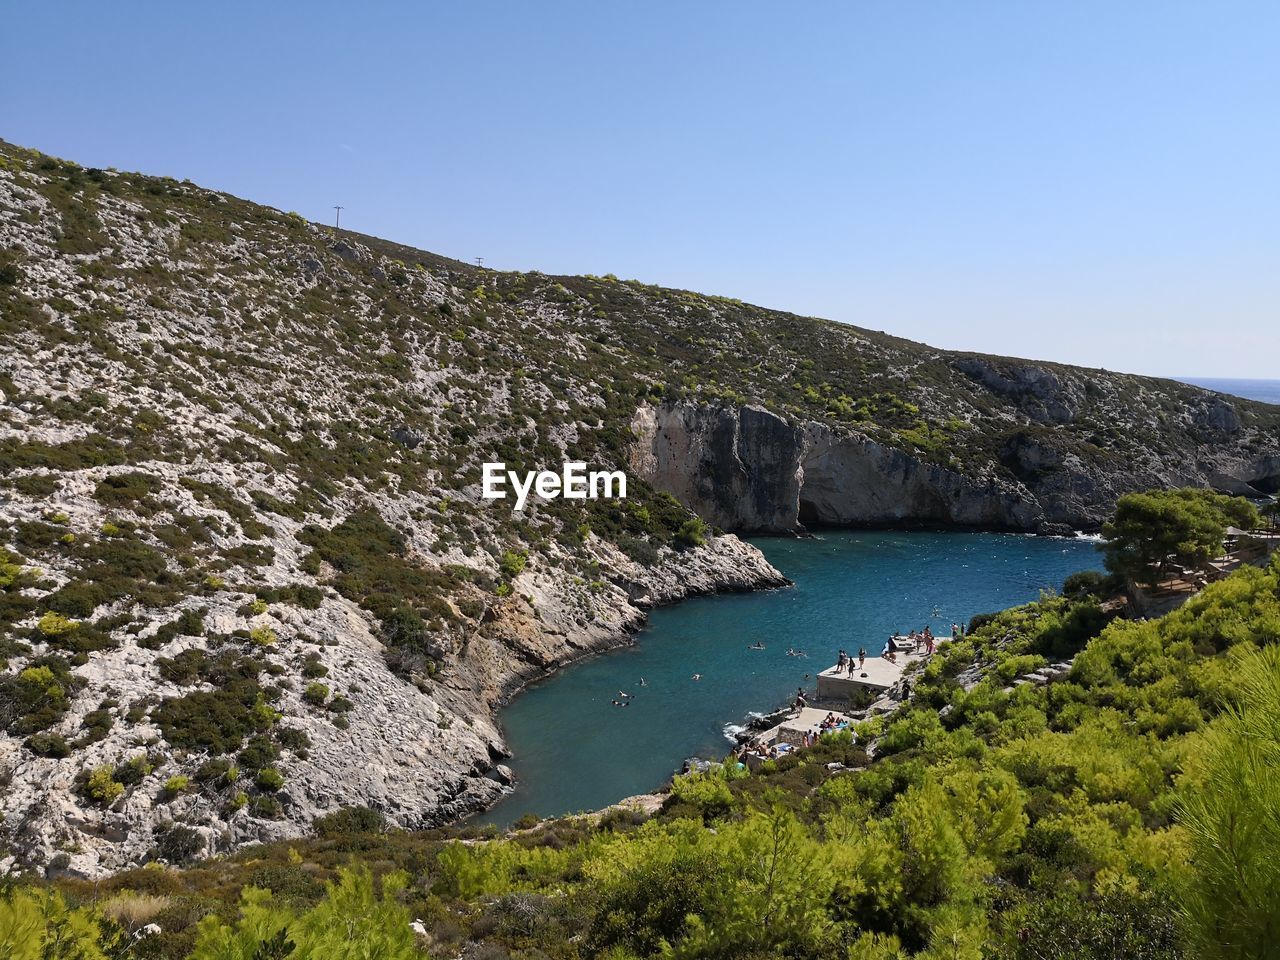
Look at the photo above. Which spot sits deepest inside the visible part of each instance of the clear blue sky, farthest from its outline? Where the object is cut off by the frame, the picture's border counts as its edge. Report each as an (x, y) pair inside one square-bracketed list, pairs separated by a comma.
[(1093, 182)]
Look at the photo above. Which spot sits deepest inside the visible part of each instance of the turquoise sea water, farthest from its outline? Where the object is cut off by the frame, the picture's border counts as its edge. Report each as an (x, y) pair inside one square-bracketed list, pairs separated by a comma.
[(573, 750)]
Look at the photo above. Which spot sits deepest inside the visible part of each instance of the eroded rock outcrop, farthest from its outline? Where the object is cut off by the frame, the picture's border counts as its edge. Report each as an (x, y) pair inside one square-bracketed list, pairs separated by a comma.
[(1038, 391), (737, 468), (853, 481), (748, 470)]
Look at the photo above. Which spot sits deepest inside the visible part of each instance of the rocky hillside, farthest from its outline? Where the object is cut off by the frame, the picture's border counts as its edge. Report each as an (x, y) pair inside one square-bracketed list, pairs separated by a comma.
[(246, 574)]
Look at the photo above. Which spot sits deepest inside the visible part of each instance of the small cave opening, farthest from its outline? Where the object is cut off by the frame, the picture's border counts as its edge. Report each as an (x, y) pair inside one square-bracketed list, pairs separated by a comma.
[(808, 513), (1269, 486)]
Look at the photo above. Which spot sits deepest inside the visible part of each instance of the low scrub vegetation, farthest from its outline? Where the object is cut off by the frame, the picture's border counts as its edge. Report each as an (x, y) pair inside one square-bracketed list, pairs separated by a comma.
[(1120, 811)]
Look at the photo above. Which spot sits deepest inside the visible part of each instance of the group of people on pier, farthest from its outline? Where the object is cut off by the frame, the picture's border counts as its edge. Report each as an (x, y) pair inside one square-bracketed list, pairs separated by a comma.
[(915, 640), (845, 662)]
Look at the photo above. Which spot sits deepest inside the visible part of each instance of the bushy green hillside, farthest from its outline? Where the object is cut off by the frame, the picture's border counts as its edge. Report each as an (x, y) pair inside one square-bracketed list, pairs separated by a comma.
[(1118, 812)]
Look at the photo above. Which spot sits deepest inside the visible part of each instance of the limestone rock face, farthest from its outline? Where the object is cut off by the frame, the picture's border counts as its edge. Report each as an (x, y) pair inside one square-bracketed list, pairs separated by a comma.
[(1217, 413), (750, 471), (1039, 392), (850, 481), (405, 752), (738, 468)]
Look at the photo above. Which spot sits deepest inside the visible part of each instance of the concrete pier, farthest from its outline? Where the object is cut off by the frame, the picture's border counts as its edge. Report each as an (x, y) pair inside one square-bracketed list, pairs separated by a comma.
[(876, 676)]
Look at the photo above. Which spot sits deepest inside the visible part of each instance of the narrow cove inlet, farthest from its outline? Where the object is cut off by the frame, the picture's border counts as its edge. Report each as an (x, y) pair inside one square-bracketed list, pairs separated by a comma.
[(574, 750)]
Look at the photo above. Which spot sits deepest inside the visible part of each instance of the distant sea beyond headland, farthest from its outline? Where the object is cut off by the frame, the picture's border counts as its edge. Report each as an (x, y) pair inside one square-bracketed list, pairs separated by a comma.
[(1268, 391)]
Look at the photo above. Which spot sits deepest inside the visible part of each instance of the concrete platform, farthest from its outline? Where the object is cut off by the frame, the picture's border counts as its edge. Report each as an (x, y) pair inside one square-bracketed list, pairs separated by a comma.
[(876, 674), (808, 720)]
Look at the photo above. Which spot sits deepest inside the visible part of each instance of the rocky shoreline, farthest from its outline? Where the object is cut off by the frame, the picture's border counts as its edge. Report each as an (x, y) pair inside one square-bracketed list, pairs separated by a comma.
[(726, 564), (423, 756)]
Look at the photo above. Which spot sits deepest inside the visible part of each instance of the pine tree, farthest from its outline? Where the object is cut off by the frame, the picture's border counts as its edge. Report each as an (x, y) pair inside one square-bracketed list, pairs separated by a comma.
[(1232, 897)]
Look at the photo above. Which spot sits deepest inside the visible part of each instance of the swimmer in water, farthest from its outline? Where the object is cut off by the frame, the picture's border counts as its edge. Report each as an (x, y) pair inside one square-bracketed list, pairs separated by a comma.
[(642, 683), (697, 676)]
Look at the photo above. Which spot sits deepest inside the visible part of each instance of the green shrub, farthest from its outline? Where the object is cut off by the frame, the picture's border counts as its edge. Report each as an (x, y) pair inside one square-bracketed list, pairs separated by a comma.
[(179, 844), (316, 694), (1086, 583), (51, 745), (258, 754), (10, 272), (53, 625), (37, 924), (11, 570), (692, 533), (404, 627), (101, 787), (292, 738), (263, 636), (96, 725), (349, 820), (512, 563), (177, 784), (213, 770), (133, 771), (358, 917), (184, 668), (124, 489), (37, 697), (266, 806), (76, 599), (217, 721)]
